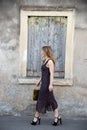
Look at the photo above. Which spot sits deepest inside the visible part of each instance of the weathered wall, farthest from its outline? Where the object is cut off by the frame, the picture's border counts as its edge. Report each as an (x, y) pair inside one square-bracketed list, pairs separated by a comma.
[(17, 99)]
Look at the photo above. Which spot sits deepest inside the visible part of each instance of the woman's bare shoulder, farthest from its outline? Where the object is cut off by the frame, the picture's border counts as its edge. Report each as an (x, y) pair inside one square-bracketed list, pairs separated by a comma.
[(50, 62)]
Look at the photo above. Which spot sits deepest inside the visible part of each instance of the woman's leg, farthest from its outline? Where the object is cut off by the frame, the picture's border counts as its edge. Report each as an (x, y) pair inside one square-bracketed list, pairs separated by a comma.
[(37, 114), (58, 119), (56, 114)]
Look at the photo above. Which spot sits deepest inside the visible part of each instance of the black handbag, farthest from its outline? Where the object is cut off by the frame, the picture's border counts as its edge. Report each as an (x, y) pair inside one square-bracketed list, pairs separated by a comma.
[(35, 94)]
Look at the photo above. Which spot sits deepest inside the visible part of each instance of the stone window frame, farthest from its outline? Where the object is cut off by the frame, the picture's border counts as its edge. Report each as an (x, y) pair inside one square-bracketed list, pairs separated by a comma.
[(24, 14)]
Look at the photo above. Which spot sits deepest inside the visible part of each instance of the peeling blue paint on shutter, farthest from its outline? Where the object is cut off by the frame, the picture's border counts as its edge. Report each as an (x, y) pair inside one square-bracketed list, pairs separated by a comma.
[(46, 31)]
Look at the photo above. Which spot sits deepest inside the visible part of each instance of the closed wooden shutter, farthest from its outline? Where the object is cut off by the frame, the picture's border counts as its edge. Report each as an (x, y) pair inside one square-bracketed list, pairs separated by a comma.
[(46, 31)]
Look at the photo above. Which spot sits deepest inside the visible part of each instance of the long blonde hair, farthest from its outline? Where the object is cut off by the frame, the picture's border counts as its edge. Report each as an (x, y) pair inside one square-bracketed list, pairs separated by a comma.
[(49, 52)]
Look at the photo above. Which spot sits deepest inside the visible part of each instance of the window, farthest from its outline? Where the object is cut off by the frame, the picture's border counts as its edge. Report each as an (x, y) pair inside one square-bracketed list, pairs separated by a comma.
[(39, 28), (46, 31)]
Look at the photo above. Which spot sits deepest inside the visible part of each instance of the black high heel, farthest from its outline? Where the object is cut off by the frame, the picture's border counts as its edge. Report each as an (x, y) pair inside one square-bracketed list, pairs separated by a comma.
[(58, 122), (36, 122)]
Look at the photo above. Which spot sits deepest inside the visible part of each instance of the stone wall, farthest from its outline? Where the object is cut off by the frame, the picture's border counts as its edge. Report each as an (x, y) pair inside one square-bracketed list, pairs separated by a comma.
[(16, 99)]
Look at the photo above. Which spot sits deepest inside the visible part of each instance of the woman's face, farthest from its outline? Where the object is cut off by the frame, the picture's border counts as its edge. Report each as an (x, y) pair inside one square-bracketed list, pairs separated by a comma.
[(43, 53)]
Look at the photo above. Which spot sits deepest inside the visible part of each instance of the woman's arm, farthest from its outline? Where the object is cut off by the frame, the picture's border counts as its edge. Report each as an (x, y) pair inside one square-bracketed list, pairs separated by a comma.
[(51, 69), (37, 84)]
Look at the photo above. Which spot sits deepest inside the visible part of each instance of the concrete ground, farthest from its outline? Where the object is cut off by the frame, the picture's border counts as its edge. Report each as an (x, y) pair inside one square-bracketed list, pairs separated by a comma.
[(23, 123)]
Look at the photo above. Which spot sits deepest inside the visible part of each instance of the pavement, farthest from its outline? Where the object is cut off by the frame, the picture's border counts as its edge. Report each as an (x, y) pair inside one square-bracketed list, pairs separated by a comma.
[(23, 123)]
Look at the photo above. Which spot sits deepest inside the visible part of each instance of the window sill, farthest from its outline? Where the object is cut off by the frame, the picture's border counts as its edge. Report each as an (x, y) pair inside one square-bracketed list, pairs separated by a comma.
[(57, 82)]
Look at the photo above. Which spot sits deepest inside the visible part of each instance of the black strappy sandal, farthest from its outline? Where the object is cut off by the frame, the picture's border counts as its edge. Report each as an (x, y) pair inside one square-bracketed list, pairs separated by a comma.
[(36, 122), (58, 122)]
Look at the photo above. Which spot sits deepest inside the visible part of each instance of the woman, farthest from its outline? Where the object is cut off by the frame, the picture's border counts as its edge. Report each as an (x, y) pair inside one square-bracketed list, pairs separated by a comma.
[(46, 97)]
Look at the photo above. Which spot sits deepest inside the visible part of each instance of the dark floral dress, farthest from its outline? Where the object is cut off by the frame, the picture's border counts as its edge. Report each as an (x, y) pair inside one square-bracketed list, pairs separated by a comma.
[(46, 99)]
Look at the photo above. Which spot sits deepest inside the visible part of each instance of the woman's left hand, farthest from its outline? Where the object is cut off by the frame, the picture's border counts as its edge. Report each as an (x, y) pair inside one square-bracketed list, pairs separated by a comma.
[(50, 88)]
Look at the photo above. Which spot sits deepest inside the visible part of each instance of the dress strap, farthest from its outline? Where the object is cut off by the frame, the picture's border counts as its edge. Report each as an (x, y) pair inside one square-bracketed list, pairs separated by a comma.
[(46, 62)]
